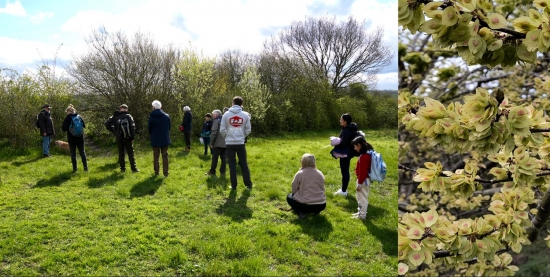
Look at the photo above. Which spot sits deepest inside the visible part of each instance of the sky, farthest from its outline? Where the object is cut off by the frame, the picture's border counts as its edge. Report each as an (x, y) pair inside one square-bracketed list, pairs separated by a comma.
[(35, 32)]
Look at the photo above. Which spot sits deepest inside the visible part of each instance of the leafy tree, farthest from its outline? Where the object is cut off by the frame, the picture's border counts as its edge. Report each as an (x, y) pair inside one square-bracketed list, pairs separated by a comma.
[(22, 97), (474, 134), (343, 52)]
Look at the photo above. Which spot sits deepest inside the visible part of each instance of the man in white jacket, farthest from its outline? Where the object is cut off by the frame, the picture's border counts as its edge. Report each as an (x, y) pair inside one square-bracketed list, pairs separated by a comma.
[(235, 127)]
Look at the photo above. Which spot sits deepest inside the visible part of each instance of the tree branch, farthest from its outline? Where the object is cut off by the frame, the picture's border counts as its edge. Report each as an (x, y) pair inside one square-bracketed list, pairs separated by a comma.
[(540, 218)]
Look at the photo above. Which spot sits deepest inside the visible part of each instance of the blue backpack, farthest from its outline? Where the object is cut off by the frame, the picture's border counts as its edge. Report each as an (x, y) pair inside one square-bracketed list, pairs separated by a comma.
[(76, 128), (377, 168)]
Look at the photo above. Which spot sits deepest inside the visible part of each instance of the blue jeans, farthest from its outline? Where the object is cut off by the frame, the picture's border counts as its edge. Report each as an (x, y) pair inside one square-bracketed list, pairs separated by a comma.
[(46, 145)]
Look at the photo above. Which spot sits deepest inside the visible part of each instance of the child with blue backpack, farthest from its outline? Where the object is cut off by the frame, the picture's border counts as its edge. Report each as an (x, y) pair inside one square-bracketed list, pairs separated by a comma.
[(362, 171)]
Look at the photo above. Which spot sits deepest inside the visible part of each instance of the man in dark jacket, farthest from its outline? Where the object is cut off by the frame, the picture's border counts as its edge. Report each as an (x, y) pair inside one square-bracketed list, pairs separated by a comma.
[(46, 129), (124, 139), (186, 126), (159, 130), (217, 144)]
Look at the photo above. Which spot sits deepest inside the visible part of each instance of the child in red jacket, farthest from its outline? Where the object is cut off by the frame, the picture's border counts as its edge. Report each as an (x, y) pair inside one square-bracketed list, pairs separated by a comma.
[(362, 171)]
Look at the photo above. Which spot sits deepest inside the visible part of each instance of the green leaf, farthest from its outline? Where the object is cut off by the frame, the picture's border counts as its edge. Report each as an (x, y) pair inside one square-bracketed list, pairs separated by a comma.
[(449, 16), (541, 4), (526, 55), (532, 40), (524, 24), (461, 33), (496, 21)]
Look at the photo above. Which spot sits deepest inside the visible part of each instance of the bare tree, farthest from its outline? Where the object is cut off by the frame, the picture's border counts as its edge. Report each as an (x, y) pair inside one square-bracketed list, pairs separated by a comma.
[(344, 52), (117, 70), (231, 66)]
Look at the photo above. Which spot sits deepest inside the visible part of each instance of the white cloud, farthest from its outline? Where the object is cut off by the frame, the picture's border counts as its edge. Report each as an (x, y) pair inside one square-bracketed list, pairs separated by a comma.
[(212, 26), (40, 16), (387, 81), (15, 9), (17, 52)]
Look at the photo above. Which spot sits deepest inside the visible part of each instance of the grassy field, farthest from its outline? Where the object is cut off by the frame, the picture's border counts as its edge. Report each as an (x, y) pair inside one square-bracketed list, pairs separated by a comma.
[(104, 222)]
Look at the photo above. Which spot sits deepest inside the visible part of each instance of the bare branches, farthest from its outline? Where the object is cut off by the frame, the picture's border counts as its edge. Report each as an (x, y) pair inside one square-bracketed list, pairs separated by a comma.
[(344, 52), (540, 218)]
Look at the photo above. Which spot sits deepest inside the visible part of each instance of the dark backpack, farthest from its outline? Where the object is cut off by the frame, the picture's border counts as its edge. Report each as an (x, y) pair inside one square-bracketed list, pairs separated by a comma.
[(76, 129), (124, 128)]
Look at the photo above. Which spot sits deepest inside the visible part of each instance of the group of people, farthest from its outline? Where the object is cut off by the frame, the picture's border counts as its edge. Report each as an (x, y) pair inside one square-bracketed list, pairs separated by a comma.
[(225, 135), (308, 186)]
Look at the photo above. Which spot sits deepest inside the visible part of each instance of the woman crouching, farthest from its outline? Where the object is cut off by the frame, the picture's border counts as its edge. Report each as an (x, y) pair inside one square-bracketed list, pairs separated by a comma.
[(308, 188)]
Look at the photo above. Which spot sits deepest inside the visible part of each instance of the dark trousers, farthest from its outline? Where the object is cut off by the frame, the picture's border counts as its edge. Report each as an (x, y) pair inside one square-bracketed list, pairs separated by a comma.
[(302, 208), (240, 152), (125, 144), (217, 152), (156, 153), (72, 149), (344, 169), (187, 137), (206, 141)]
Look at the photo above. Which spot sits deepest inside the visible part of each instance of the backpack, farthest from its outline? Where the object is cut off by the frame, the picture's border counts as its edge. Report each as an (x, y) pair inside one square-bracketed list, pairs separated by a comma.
[(124, 128), (76, 129), (377, 167)]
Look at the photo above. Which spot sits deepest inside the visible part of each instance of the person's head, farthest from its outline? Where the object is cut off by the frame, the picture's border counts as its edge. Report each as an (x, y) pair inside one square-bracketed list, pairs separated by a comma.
[(345, 120), (46, 107), (156, 105), (208, 117), (238, 101), (70, 109), (225, 109), (186, 109), (216, 114), (361, 145), (123, 108), (308, 160)]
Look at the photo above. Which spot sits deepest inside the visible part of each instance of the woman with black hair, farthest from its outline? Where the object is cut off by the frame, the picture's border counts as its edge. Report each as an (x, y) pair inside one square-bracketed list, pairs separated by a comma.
[(345, 150)]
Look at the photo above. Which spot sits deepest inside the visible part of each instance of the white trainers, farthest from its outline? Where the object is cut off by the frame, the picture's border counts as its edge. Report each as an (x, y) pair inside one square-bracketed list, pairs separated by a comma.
[(357, 216), (340, 192)]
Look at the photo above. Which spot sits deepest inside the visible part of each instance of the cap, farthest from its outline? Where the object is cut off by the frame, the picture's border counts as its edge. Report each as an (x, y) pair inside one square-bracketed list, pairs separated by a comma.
[(46, 106), (124, 106)]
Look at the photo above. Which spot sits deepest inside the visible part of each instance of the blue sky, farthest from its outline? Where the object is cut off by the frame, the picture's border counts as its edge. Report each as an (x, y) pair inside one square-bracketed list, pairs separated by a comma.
[(33, 30)]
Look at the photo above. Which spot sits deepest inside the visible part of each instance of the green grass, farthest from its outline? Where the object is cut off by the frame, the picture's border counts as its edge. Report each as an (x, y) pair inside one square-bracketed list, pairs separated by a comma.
[(104, 222)]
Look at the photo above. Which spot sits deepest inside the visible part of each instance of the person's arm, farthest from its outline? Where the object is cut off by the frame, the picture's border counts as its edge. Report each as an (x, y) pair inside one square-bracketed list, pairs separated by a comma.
[(169, 122), (149, 124), (66, 123), (296, 182), (42, 123), (214, 133), (363, 167), (247, 128), (132, 126), (346, 139), (223, 129)]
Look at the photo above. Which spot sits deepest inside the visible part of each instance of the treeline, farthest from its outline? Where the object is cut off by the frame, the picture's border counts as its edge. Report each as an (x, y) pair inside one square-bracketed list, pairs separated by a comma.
[(282, 92)]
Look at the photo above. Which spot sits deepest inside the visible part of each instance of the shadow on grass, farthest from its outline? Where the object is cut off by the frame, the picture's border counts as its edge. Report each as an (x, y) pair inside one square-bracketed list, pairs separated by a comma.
[(100, 182), (204, 157), (315, 226), (148, 186), (109, 167), (351, 206), (54, 181), (217, 182), (386, 236), (236, 209), (21, 163)]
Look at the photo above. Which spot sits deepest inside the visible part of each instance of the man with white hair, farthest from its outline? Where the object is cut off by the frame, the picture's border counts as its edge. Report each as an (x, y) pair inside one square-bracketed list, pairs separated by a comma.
[(217, 144), (159, 130)]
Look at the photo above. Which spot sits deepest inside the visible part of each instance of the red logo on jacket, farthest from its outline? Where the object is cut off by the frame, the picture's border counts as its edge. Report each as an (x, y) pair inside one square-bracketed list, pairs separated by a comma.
[(236, 121)]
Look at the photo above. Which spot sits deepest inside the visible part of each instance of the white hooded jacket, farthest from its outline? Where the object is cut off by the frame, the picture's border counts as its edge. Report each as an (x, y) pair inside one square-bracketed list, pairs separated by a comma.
[(235, 126)]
